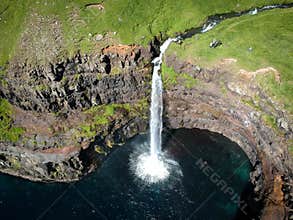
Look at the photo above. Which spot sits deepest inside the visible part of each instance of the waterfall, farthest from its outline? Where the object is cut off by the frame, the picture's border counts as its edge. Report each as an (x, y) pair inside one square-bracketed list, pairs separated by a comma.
[(156, 124), (153, 166)]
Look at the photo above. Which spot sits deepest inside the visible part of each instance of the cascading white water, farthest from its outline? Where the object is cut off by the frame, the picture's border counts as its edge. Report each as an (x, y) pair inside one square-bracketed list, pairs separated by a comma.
[(156, 124), (153, 166)]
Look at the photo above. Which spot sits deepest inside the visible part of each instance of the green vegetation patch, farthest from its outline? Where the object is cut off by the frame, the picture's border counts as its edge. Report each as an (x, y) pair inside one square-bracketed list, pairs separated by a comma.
[(101, 116), (283, 92), (8, 132), (41, 87), (100, 150), (12, 17), (189, 81), (129, 21), (271, 122), (15, 163), (170, 77), (253, 103), (258, 41)]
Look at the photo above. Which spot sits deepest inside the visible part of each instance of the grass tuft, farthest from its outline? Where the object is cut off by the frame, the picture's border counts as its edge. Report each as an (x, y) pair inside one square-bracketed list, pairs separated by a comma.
[(102, 115), (8, 132), (170, 77)]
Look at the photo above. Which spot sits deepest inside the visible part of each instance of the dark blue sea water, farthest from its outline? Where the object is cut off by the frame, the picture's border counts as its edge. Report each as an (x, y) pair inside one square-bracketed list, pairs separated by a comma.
[(215, 171)]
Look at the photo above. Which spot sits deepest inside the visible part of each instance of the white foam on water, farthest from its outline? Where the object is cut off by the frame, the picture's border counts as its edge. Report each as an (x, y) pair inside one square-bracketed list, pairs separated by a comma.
[(152, 167)]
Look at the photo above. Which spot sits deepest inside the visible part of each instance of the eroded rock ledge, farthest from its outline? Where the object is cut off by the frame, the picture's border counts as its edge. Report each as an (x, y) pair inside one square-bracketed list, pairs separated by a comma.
[(112, 76), (218, 103), (74, 111), (49, 103)]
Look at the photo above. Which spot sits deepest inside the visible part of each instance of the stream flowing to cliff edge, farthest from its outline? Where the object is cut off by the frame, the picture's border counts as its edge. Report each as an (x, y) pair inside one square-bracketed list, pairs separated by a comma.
[(111, 193), (154, 166), (216, 19)]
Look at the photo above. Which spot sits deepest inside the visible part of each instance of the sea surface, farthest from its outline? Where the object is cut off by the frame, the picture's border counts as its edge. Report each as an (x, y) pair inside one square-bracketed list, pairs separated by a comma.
[(214, 173)]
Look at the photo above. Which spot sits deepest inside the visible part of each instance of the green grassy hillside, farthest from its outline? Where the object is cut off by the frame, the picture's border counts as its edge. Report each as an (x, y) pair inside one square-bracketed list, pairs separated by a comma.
[(259, 41), (133, 21)]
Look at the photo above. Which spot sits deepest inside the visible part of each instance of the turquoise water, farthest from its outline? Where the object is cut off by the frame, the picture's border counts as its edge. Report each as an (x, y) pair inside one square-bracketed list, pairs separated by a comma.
[(113, 192)]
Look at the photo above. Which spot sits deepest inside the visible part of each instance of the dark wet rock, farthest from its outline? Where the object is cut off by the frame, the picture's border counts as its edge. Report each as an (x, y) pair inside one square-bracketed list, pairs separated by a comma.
[(212, 107), (49, 101), (80, 82)]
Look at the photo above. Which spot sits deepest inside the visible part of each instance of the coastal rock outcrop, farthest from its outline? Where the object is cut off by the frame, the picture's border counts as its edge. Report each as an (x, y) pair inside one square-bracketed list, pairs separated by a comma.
[(213, 104), (76, 111), (80, 82), (73, 112)]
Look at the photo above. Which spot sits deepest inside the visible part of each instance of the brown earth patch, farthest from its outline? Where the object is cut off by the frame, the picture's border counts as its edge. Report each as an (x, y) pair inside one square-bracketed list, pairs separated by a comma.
[(251, 75), (120, 49), (228, 61), (275, 207)]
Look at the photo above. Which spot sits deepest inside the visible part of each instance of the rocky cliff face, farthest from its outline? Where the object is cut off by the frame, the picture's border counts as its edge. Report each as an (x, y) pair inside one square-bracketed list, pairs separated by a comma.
[(218, 102), (74, 111), (113, 76)]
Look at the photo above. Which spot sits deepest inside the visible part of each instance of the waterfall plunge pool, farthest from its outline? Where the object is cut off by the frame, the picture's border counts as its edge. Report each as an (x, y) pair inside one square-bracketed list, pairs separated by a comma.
[(210, 174)]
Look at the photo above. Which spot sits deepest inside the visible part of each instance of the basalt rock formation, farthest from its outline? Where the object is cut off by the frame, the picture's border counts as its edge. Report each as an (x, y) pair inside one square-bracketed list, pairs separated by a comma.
[(50, 104), (80, 82), (61, 141), (219, 103)]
